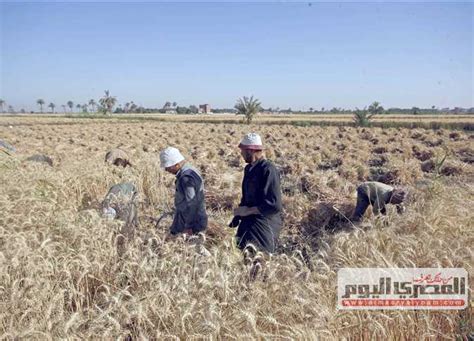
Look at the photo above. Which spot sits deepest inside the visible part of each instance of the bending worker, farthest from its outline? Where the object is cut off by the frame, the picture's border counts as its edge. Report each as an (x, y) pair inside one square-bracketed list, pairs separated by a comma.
[(378, 195), (258, 216), (116, 203), (190, 210)]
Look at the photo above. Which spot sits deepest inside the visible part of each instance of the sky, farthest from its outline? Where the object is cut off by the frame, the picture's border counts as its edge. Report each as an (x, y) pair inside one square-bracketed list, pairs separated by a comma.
[(287, 54)]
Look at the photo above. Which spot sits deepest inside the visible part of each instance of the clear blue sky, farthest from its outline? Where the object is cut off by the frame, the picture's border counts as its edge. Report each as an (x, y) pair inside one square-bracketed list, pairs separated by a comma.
[(287, 54)]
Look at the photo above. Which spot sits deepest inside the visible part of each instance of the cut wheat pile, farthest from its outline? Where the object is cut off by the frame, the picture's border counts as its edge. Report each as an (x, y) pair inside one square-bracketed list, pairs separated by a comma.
[(61, 275)]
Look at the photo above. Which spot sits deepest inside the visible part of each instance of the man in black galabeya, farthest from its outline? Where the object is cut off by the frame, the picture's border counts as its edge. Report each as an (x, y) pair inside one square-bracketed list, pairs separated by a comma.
[(258, 216)]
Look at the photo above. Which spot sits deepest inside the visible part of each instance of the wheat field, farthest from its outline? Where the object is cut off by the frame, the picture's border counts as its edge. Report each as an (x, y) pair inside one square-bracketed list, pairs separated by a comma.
[(62, 275)]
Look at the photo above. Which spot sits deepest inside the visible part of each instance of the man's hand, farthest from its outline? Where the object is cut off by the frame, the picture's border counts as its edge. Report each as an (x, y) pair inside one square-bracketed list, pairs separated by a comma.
[(245, 211), (235, 222)]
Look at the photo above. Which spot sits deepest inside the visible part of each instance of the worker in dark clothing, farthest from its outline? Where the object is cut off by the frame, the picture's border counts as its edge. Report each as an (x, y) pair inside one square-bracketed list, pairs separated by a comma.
[(258, 216), (378, 195), (190, 210)]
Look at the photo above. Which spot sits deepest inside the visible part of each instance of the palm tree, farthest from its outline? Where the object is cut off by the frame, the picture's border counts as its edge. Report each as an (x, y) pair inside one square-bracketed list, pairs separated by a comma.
[(52, 106), (107, 102), (78, 107), (248, 107), (70, 104), (11, 109), (375, 109), (174, 104), (2, 103), (40, 102), (84, 107), (126, 107), (362, 118), (92, 104)]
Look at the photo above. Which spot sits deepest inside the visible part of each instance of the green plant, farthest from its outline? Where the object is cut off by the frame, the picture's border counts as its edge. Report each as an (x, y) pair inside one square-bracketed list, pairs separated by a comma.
[(439, 163), (376, 109), (362, 117), (107, 102), (248, 107)]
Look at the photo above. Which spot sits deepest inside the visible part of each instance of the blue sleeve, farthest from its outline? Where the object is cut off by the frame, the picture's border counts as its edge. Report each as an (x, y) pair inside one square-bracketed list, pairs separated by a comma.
[(186, 208)]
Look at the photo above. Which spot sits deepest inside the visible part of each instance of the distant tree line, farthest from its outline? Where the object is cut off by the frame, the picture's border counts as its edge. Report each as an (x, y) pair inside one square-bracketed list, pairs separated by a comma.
[(108, 104)]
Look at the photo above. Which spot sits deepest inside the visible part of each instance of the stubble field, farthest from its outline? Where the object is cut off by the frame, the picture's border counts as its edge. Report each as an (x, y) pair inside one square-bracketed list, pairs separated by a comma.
[(61, 275)]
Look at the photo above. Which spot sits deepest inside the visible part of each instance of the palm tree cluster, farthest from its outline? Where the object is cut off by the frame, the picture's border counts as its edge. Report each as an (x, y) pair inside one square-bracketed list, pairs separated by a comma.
[(106, 104), (248, 107), (91, 106)]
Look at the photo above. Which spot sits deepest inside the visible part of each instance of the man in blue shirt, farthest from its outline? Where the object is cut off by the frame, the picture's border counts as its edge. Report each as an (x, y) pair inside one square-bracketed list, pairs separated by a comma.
[(190, 210)]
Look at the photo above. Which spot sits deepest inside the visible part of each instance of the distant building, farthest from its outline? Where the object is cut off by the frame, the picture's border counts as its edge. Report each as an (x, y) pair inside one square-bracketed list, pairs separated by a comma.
[(204, 108)]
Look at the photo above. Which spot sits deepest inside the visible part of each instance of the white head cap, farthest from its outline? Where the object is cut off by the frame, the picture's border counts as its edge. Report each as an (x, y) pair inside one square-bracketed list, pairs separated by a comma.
[(251, 141), (109, 213), (170, 157)]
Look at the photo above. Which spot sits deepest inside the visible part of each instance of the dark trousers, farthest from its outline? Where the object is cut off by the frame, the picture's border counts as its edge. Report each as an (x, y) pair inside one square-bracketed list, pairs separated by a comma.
[(262, 232), (363, 201)]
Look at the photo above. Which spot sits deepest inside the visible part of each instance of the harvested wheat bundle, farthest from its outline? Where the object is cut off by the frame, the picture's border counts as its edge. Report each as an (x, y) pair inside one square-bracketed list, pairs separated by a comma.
[(365, 135), (217, 201), (466, 155), (433, 143), (455, 136), (235, 162), (422, 155), (451, 169), (330, 164), (428, 166), (386, 176), (417, 135), (6, 148), (448, 169), (379, 150), (378, 161), (216, 233), (327, 217), (209, 172), (311, 184), (117, 157), (293, 209), (284, 168), (41, 159)]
